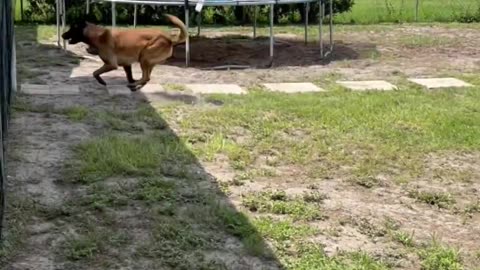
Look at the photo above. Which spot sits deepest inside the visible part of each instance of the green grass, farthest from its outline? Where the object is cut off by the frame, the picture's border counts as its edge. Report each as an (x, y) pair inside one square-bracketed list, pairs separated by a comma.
[(370, 133), (379, 11), (91, 243), (440, 257), (133, 156), (76, 113), (367, 132), (313, 257)]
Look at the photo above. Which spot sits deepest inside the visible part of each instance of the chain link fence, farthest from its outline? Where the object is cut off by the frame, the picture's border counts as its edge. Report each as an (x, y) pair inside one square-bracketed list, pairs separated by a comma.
[(8, 84)]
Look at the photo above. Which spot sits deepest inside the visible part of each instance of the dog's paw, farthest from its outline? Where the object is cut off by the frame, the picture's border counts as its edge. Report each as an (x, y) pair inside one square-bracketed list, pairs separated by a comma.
[(100, 80), (134, 87), (92, 50)]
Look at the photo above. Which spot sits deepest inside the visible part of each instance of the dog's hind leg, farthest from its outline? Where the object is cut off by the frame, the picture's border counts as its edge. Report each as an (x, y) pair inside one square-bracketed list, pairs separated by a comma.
[(104, 69), (128, 72), (155, 53), (146, 71)]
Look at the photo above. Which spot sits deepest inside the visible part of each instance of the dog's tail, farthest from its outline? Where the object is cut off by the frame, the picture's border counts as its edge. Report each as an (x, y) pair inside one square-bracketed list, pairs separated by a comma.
[(183, 29)]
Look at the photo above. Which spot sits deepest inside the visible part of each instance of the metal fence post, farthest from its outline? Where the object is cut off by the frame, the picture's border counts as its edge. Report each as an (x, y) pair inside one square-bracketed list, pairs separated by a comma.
[(7, 87)]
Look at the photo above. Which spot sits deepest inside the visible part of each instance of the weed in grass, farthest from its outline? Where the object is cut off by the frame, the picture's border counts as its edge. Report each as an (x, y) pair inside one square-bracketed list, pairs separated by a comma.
[(366, 227), (333, 231), (175, 87), (472, 208), (439, 199), (76, 113), (367, 182), (313, 257), (239, 225), (81, 247), (390, 224), (133, 121), (403, 238), (439, 257), (154, 189), (224, 188), (285, 230), (92, 243), (173, 241), (279, 203), (314, 197), (101, 197), (20, 212), (425, 41)]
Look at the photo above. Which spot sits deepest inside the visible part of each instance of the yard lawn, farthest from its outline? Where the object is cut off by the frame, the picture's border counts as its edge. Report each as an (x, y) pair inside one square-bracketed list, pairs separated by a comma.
[(393, 11), (332, 180)]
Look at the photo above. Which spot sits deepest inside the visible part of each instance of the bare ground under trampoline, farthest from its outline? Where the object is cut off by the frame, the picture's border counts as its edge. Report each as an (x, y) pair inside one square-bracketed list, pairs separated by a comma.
[(229, 63)]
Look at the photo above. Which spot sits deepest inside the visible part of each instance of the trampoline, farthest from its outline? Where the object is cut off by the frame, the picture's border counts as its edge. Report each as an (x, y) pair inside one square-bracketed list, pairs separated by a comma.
[(199, 4)]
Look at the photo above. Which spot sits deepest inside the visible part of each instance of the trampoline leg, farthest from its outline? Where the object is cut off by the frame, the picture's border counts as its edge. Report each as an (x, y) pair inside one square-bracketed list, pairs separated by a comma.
[(307, 8), (320, 26), (134, 16), (114, 15), (187, 41), (271, 35), (199, 22), (87, 3), (254, 22), (331, 26), (57, 13), (64, 22)]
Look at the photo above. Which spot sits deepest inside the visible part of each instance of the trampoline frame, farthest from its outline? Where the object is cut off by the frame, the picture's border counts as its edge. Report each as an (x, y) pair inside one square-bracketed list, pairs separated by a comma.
[(61, 19)]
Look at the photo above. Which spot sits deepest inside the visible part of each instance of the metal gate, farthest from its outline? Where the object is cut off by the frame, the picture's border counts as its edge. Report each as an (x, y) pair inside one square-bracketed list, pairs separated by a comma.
[(8, 84)]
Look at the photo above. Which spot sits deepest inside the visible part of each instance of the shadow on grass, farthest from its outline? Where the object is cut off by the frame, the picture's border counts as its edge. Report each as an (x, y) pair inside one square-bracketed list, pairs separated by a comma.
[(138, 196)]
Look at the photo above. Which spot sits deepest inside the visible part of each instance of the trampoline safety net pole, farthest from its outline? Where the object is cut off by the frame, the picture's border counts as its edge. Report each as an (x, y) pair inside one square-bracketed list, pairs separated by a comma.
[(134, 16), (320, 24), (307, 8), (255, 10), (331, 26), (187, 41), (57, 13), (64, 22), (271, 34), (199, 22), (114, 15), (87, 6)]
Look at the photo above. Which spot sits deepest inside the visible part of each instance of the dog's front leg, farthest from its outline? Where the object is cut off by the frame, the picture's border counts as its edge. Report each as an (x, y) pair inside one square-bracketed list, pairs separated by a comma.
[(104, 69), (128, 72)]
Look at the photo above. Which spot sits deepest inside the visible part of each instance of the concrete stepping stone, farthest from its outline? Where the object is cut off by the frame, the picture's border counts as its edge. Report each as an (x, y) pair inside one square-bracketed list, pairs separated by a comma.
[(293, 87), (64, 89), (45, 89), (215, 89), (432, 83), (118, 90), (152, 88), (35, 89), (367, 85)]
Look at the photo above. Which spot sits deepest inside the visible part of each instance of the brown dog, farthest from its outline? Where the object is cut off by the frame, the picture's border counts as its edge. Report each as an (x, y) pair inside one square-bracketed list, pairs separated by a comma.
[(116, 48)]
